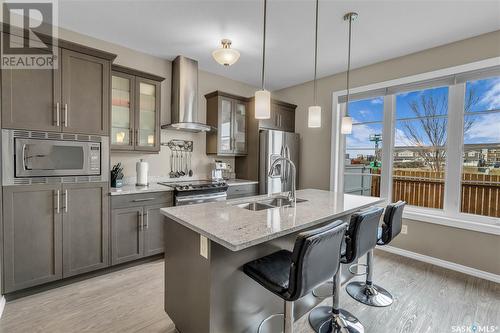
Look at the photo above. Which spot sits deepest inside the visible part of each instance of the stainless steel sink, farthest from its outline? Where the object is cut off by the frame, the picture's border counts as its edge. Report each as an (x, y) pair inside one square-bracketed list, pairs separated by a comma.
[(254, 206), (268, 203), (282, 202)]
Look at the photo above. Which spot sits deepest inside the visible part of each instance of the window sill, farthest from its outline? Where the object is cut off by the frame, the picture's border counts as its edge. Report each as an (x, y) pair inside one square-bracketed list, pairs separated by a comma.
[(482, 224)]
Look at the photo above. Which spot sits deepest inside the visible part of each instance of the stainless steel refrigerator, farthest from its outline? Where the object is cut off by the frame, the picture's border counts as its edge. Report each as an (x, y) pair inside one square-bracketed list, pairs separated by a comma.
[(274, 144)]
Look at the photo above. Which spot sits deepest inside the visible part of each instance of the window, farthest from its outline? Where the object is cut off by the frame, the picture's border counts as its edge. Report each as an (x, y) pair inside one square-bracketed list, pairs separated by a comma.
[(480, 187), (434, 144), (363, 153), (419, 155)]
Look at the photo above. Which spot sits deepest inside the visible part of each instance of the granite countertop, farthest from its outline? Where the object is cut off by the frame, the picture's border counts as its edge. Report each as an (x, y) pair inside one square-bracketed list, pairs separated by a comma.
[(236, 228), (133, 189), (235, 182)]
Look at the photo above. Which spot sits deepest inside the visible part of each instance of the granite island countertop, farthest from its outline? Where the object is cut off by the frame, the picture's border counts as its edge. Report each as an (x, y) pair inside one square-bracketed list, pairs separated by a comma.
[(237, 228)]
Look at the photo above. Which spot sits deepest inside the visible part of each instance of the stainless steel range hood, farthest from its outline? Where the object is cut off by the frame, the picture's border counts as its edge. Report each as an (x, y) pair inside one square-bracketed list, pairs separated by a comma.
[(184, 106)]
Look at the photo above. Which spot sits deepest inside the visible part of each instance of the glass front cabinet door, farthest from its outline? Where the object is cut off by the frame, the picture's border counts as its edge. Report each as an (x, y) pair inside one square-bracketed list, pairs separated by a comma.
[(135, 111), (147, 115), (239, 128), (122, 111)]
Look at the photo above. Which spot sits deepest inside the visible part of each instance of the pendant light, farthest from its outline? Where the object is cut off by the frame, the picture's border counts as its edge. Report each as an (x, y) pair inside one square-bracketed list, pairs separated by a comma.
[(225, 55), (346, 127), (314, 112), (262, 96)]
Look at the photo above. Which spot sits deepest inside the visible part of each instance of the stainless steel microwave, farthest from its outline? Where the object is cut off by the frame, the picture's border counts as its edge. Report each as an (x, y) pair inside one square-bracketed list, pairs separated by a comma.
[(29, 154)]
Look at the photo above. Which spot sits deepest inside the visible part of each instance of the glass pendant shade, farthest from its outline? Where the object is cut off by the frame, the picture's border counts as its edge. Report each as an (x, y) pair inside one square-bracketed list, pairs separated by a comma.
[(262, 104), (226, 55), (314, 117), (346, 127)]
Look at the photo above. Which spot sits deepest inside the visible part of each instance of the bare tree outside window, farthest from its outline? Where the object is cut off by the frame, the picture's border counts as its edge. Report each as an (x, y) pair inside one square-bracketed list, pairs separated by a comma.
[(426, 134)]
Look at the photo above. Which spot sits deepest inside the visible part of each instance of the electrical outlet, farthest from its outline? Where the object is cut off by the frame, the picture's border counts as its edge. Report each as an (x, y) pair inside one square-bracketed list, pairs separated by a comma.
[(204, 246), (404, 229)]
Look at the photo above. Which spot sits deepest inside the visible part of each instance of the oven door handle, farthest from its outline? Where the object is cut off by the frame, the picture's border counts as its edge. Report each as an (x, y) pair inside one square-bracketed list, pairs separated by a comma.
[(201, 197)]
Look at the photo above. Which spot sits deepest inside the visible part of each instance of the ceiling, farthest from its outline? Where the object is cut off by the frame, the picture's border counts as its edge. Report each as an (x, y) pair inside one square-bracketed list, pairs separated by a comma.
[(384, 30)]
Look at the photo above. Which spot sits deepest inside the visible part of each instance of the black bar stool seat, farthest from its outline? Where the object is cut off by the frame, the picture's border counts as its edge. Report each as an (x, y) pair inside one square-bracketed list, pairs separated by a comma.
[(367, 292), (272, 272), (292, 275)]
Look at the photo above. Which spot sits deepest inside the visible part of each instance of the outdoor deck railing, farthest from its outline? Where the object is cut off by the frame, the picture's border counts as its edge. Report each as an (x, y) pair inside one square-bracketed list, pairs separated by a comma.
[(480, 192)]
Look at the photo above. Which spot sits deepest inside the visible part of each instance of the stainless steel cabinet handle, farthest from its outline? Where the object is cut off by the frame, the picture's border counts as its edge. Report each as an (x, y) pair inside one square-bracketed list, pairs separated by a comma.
[(141, 200), (66, 119), (65, 201), (58, 114), (139, 220), (58, 208), (146, 223)]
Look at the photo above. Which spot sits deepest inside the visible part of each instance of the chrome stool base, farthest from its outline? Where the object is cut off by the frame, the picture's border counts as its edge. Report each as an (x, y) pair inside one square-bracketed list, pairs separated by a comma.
[(323, 321), (370, 295), (323, 291)]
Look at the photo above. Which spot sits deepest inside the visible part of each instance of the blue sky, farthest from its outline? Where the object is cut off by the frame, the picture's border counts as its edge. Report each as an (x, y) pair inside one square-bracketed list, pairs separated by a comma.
[(485, 129)]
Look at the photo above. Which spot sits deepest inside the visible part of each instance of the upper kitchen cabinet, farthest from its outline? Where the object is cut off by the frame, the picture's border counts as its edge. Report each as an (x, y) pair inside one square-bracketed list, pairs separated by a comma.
[(72, 97), (227, 113), (135, 110), (85, 93), (282, 117)]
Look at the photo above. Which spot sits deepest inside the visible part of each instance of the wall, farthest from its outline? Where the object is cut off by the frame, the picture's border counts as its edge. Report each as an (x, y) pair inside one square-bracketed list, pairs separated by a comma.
[(446, 243), (159, 164)]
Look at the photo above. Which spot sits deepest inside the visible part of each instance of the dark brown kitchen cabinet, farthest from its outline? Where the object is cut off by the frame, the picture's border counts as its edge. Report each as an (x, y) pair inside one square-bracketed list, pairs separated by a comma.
[(126, 234), (227, 113), (40, 110), (153, 227), (71, 97), (53, 231), (85, 211), (32, 228), (282, 117), (85, 93), (135, 110), (137, 225)]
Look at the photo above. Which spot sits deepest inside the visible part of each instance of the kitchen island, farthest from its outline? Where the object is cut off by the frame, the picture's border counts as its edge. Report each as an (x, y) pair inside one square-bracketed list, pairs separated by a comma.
[(207, 244)]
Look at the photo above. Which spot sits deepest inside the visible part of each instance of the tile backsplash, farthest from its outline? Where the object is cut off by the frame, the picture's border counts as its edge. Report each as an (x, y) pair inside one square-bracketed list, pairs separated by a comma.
[(159, 164)]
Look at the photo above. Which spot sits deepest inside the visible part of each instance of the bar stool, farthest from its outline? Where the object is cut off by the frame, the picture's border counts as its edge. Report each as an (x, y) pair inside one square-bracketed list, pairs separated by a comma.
[(367, 292), (360, 237), (291, 275)]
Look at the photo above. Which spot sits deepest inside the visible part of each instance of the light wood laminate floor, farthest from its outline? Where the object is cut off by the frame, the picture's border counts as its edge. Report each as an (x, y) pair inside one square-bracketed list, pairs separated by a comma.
[(427, 299)]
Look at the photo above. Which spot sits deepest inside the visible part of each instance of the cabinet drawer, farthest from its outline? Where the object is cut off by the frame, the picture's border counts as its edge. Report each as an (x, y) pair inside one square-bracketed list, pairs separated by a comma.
[(134, 200), (237, 191)]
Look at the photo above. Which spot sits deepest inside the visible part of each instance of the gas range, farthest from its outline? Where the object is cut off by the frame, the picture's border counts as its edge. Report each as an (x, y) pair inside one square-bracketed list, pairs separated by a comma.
[(199, 191)]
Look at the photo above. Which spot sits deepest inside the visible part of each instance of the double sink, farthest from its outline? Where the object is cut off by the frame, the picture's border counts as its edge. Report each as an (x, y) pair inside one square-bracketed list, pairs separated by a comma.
[(268, 203)]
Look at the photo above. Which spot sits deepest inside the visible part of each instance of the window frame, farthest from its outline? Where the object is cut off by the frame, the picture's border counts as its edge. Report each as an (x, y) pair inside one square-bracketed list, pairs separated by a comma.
[(450, 215)]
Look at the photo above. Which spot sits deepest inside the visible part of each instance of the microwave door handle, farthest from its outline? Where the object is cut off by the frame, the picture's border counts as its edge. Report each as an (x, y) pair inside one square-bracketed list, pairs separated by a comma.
[(23, 157)]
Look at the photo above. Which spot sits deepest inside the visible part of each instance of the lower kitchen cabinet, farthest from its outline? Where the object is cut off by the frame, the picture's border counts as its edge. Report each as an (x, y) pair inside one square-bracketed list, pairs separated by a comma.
[(241, 191), (126, 236), (32, 228), (85, 228), (137, 225), (53, 231)]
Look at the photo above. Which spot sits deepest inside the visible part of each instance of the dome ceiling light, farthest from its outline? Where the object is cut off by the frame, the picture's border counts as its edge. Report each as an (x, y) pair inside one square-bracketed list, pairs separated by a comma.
[(226, 55)]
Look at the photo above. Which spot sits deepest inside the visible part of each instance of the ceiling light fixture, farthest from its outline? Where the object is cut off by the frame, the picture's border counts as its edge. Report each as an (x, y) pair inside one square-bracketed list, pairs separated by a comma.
[(262, 96), (346, 127), (314, 112), (225, 55)]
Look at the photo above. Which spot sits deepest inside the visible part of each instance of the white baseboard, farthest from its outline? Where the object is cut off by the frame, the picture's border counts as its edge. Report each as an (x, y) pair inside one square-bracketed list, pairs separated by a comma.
[(442, 263), (2, 305)]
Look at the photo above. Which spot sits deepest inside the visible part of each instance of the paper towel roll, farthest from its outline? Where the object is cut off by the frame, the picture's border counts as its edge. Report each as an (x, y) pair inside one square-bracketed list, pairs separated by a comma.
[(141, 169)]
